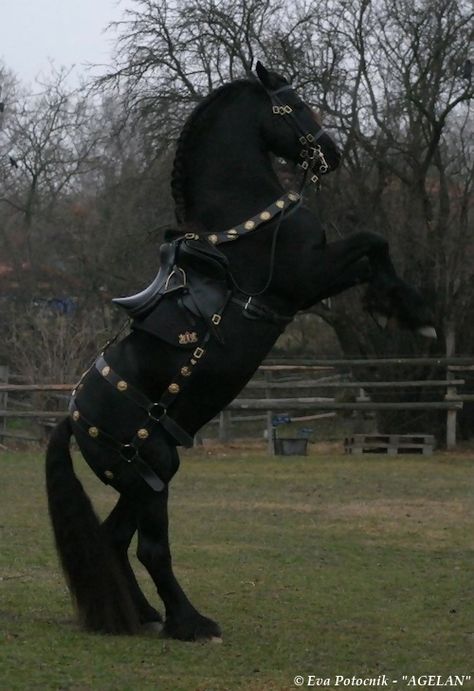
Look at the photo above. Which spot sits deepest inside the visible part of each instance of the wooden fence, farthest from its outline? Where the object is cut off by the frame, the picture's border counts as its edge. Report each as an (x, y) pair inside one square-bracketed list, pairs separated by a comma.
[(264, 395)]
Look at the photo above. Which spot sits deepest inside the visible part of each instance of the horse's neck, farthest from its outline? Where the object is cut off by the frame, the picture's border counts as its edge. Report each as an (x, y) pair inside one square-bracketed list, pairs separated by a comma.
[(230, 178)]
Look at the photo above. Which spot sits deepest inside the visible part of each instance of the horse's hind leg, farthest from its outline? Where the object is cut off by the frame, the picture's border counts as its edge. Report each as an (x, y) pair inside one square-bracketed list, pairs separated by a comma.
[(183, 621), (120, 526)]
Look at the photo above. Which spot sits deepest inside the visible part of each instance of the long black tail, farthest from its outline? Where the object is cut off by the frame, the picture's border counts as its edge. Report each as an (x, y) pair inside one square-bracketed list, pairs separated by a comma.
[(95, 581)]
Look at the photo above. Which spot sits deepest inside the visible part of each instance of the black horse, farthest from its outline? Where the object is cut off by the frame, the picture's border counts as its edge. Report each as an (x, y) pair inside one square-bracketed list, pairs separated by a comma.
[(247, 258)]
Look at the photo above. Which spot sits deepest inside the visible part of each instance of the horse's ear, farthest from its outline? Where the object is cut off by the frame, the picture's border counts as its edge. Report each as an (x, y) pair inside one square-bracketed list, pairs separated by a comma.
[(262, 73), (270, 80)]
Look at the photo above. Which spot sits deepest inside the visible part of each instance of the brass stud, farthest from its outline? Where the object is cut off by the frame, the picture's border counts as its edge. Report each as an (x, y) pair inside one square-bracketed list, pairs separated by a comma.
[(232, 232), (76, 415), (143, 433), (280, 203), (173, 388), (265, 215), (109, 474), (293, 196), (213, 239), (93, 432), (105, 371), (122, 385), (249, 225), (185, 371)]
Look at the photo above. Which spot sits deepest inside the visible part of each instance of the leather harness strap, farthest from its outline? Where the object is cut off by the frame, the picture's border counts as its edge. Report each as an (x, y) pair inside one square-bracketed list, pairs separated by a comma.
[(128, 451), (282, 205), (257, 310)]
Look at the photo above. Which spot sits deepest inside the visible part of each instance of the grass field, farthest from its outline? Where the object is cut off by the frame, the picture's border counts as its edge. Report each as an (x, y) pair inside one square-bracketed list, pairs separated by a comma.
[(319, 565)]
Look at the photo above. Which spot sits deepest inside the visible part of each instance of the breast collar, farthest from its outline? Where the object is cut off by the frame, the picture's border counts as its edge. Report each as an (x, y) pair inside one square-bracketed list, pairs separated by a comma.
[(284, 206)]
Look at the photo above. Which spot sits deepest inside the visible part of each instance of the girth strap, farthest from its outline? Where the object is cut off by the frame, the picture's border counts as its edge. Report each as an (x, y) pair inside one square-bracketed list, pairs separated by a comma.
[(257, 310)]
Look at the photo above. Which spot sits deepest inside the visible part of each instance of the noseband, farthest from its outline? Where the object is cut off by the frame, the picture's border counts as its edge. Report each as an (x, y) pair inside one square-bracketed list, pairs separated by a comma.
[(311, 153)]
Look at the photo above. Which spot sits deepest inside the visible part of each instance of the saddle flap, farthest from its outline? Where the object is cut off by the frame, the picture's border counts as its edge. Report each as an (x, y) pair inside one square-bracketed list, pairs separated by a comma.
[(205, 296), (173, 323)]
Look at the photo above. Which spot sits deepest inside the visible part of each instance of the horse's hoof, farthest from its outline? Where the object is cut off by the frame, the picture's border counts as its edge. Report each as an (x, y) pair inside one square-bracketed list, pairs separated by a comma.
[(194, 628), (152, 627), (427, 331)]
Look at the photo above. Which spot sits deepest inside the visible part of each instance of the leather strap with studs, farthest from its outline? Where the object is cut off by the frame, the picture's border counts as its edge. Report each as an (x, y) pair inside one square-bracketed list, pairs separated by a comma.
[(157, 411), (281, 205), (128, 451)]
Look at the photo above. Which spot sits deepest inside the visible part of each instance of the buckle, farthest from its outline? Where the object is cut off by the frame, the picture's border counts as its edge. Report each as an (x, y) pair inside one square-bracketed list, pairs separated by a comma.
[(216, 319), (128, 452), (156, 411), (198, 353)]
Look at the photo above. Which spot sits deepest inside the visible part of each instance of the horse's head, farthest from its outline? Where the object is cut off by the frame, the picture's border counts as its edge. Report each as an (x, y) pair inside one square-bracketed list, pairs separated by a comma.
[(292, 129)]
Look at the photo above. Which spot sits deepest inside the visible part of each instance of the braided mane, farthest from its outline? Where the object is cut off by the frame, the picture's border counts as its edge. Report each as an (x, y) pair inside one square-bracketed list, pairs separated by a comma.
[(178, 178)]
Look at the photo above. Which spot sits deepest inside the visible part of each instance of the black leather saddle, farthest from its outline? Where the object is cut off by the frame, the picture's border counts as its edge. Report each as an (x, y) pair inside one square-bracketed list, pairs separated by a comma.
[(187, 296)]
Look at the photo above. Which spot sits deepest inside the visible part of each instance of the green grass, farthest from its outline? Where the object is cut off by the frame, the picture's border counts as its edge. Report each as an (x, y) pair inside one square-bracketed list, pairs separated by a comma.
[(319, 565)]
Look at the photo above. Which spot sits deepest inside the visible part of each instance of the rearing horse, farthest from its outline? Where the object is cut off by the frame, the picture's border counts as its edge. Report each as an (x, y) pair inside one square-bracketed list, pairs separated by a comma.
[(247, 258)]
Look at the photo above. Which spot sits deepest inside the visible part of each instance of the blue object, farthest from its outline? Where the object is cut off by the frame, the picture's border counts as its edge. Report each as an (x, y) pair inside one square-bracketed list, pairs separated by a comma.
[(282, 419)]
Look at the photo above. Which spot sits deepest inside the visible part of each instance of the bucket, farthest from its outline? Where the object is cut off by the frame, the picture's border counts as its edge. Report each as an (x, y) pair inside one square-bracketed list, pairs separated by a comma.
[(290, 447)]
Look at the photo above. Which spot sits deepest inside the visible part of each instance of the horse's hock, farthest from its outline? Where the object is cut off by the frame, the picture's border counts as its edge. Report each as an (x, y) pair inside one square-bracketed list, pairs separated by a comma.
[(390, 444)]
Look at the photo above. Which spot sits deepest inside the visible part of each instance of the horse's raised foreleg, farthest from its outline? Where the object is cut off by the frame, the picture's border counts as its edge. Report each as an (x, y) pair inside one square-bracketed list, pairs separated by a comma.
[(183, 621), (120, 527), (365, 257)]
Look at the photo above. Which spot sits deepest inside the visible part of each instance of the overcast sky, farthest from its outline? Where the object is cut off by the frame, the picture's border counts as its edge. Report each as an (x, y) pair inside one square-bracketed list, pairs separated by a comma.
[(65, 31)]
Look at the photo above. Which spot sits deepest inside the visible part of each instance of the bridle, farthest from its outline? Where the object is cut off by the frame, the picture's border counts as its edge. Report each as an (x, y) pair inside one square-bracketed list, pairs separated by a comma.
[(313, 159)]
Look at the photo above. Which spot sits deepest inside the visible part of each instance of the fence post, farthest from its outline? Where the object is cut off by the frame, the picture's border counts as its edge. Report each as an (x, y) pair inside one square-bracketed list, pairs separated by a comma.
[(4, 374), (225, 425), (270, 430), (451, 416), (270, 434)]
